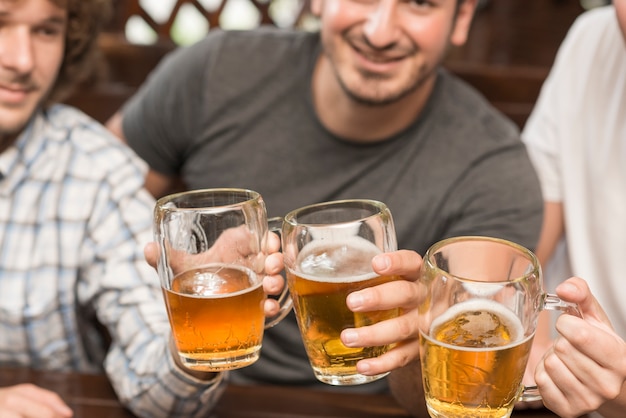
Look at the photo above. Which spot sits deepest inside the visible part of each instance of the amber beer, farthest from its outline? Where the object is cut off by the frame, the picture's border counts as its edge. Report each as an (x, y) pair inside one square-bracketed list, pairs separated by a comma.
[(216, 315), (473, 361), (326, 274)]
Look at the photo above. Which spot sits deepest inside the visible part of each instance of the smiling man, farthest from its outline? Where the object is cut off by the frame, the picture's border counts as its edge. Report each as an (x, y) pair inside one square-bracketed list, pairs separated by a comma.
[(73, 224), (33, 41), (360, 109)]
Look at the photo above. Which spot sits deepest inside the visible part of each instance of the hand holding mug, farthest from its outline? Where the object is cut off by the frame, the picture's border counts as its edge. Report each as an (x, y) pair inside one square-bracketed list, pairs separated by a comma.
[(212, 250), (273, 281), (328, 250), (477, 322), (401, 332), (585, 370)]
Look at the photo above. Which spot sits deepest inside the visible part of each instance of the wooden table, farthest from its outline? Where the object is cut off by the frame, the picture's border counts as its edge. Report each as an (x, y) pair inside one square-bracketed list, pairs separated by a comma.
[(91, 396)]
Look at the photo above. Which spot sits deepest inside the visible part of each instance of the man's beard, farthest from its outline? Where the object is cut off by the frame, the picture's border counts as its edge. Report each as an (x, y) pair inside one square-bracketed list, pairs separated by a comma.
[(380, 99)]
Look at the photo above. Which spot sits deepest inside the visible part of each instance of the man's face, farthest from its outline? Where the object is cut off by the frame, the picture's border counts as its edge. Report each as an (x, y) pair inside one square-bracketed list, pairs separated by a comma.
[(32, 40), (382, 50)]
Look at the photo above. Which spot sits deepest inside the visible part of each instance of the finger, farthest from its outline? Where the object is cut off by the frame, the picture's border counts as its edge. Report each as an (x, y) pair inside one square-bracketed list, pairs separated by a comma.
[(395, 294), (580, 366), (562, 391), (274, 263), (577, 291), (10, 414), (271, 307), (594, 356), (273, 242), (273, 285), (404, 327), (150, 252), (404, 263), (601, 345), (551, 395), (397, 357), (33, 401)]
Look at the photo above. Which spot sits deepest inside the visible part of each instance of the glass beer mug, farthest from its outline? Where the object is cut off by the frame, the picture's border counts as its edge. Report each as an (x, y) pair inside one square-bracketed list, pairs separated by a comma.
[(328, 250), (478, 316), (212, 250)]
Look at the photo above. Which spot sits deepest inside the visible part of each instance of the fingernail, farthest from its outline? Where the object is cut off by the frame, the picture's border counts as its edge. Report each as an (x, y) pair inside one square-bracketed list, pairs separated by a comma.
[(349, 337), (355, 301), (363, 367), (381, 262), (568, 287)]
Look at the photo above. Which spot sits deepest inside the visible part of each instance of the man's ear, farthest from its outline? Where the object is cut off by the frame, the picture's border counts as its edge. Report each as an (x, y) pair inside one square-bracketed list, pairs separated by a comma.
[(464, 17)]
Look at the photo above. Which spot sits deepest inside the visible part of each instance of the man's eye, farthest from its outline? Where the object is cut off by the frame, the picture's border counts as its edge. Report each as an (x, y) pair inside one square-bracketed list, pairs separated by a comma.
[(48, 32), (421, 3)]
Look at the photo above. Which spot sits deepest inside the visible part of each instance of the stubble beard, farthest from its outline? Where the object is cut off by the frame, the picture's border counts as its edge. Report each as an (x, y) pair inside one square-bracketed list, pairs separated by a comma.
[(375, 96), (369, 89)]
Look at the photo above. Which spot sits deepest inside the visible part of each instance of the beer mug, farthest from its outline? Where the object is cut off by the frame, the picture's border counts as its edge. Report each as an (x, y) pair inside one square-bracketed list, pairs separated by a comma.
[(478, 316), (328, 250), (212, 250)]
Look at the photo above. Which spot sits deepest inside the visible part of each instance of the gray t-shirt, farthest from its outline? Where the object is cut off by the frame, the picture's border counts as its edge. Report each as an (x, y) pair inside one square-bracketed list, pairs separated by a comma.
[(235, 110)]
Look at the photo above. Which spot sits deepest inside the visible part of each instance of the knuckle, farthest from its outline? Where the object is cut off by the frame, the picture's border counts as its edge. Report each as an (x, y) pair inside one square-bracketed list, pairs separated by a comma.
[(551, 364), (561, 346), (404, 329)]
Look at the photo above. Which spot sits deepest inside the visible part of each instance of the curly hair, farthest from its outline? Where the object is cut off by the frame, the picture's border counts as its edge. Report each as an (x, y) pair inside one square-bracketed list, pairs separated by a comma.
[(82, 58)]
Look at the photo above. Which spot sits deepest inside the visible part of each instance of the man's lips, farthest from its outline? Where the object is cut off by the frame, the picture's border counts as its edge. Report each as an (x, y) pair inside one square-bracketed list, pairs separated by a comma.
[(376, 62), (377, 57), (13, 93)]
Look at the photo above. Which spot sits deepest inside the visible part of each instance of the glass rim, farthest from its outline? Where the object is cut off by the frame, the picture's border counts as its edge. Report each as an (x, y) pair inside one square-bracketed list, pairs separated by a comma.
[(291, 217), (247, 196), (436, 247)]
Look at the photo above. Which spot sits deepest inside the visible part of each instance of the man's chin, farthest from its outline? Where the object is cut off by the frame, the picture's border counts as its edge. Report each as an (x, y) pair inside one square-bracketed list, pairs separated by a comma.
[(375, 98), (12, 123)]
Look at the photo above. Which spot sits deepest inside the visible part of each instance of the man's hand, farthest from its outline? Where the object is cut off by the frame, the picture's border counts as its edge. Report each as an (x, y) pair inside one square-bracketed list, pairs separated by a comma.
[(403, 330), (585, 370), (273, 282), (30, 401)]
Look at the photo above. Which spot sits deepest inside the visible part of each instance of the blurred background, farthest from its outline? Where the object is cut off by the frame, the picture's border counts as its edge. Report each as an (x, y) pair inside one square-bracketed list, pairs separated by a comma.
[(511, 47)]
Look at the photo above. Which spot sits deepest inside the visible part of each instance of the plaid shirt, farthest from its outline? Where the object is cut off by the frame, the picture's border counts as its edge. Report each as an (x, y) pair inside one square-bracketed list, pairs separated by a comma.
[(74, 219)]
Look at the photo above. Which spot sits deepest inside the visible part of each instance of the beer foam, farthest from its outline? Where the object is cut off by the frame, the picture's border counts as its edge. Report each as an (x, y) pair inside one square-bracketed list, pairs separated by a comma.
[(215, 280), (336, 232), (334, 279), (482, 288), (481, 324), (342, 261)]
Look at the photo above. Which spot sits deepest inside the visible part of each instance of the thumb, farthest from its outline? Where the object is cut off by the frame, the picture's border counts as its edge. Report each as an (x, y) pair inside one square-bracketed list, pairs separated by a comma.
[(576, 290), (150, 252)]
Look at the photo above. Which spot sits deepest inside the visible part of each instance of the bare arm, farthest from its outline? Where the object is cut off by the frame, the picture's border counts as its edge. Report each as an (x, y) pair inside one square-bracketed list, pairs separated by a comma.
[(157, 184), (552, 230)]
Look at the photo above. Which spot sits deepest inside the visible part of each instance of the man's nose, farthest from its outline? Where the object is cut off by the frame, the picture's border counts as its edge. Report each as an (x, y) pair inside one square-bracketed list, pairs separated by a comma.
[(382, 26), (16, 50)]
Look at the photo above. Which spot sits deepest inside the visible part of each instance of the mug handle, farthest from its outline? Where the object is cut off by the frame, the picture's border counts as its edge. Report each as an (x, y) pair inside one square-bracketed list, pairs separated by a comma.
[(549, 302), (284, 300)]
